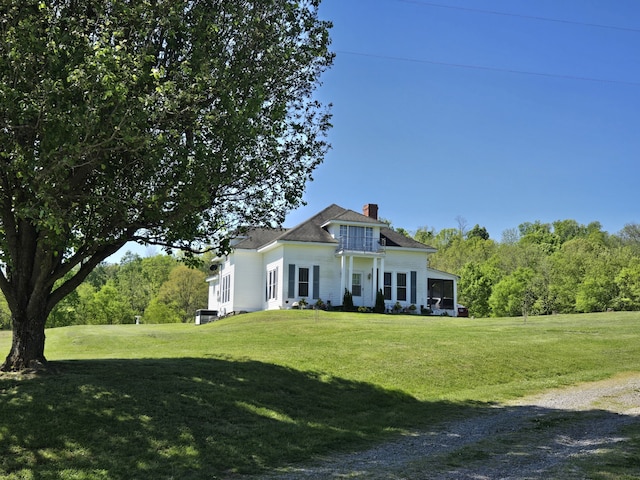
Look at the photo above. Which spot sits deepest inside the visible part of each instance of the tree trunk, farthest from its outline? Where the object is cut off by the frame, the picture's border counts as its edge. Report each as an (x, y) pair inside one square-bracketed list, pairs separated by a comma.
[(27, 348)]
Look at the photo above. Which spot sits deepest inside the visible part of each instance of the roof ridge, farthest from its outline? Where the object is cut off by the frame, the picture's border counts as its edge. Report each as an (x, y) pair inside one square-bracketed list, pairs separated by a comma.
[(304, 222)]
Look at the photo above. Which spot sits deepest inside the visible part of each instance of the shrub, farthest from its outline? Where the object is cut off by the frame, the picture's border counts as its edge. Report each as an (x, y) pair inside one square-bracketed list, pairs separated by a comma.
[(347, 301), (380, 306)]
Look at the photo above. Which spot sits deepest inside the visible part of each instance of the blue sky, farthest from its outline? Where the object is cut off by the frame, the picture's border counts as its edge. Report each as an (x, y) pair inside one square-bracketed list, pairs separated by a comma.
[(497, 111)]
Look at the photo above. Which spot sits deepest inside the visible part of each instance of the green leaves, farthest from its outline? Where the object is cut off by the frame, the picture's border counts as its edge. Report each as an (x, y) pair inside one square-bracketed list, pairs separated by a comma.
[(163, 122)]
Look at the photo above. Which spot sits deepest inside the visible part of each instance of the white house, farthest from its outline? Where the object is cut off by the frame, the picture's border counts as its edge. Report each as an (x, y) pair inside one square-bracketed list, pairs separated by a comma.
[(334, 250)]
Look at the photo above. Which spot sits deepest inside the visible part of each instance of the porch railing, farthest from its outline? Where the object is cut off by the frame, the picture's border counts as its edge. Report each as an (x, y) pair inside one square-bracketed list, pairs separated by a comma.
[(360, 244)]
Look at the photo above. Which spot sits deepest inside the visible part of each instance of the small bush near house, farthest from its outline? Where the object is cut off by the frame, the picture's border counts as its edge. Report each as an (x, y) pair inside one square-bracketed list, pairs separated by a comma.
[(347, 302), (380, 306)]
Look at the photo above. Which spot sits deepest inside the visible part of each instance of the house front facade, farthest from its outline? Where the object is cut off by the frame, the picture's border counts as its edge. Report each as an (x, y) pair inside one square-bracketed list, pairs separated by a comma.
[(333, 251)]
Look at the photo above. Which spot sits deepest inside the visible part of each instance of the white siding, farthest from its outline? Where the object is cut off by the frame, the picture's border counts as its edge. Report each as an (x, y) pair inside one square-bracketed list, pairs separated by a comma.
[(215, 288), (248, 269), (270, 260), (397, 261), (309, 256), (248, 282), (247, 287)]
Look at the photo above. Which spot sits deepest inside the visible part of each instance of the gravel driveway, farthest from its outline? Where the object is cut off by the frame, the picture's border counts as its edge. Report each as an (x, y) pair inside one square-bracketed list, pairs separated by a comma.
[(536, 437)]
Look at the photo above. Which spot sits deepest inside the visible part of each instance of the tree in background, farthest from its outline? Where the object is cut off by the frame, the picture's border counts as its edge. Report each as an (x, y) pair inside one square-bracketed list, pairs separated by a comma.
[(476, 285), (108, 307), (425, 235), (167, 123), (540, 234), (558, 267), (478, 232), (5, 314), (598, 291), (512, 294), (159, 311), (140, 279), (186, 290), (460, 251), (630, 236), (628, 283)]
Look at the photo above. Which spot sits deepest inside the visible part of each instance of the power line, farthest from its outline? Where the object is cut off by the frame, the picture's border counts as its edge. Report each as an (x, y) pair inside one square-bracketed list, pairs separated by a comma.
[(529, 17), (493, 69)]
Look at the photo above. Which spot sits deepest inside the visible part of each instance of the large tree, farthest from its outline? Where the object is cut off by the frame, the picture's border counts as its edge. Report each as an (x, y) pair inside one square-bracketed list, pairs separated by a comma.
[(158, 121)]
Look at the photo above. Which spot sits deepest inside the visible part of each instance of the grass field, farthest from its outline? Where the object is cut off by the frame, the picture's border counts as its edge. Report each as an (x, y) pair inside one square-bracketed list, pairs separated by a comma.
[(263, 390)]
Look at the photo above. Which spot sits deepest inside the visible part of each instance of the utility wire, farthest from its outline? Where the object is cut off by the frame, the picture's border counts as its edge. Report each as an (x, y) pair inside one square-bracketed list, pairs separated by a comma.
[(529, 17), (493, 69)]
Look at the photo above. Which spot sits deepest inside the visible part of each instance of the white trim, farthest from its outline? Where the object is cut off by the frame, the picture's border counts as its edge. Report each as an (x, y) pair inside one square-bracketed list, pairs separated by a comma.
[(439, 274), (337, 221), (276, 243)]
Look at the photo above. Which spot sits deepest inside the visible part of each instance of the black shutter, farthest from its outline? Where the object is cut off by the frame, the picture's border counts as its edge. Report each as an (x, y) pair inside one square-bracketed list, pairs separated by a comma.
[(292, 281), (316, 282), (414, 287)]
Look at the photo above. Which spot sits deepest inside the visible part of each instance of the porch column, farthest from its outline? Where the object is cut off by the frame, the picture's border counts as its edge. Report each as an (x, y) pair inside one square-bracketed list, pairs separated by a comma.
[(381, 274), (343, 274), (350, 277), (374, 277)]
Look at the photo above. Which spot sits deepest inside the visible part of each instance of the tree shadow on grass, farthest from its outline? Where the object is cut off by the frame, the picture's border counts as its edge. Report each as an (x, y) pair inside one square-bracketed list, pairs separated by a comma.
[(189, 418), (215, 418)]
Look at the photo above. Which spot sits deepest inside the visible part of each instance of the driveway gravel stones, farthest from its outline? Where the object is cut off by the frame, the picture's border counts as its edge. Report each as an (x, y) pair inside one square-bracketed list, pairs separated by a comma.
[(543, 436)]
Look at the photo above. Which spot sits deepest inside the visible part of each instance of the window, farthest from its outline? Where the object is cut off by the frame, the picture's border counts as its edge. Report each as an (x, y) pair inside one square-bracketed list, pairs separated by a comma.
[(272, 284), (401, 287), (387, 285), (303, 282), (439, 289), (356, 238), (356, 284), (226, 289), (368, 239)]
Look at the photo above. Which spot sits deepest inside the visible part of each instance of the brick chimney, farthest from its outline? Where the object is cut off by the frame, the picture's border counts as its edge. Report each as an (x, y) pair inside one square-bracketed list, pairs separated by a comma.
[(370, 210)]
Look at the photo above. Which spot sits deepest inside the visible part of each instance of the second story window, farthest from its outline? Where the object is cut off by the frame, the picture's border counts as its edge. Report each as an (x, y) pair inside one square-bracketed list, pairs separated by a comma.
[(357, 238)]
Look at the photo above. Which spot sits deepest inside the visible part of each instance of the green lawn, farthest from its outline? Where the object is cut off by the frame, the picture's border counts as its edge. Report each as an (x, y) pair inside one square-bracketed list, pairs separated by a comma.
[(262, 390)]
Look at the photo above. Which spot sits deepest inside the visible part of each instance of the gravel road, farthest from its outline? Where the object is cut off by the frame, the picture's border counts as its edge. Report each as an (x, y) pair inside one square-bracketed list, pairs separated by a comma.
[(543, 436)]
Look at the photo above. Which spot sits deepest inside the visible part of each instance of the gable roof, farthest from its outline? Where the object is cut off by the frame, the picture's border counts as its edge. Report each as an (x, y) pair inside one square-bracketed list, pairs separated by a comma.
[(314, 230), (395, 239), (257, 237)]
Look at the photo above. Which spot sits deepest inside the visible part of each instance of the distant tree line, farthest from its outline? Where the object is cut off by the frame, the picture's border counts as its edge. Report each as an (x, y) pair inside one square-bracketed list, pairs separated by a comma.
[(540, 268), (535, 269), (157, 289)]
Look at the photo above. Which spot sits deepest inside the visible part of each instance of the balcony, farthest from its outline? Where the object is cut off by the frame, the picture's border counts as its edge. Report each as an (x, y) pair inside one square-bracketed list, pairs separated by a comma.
[(363, 245)]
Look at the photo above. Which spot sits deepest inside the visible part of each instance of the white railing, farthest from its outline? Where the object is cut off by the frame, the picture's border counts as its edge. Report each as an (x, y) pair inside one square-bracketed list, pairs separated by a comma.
[(360, 244)]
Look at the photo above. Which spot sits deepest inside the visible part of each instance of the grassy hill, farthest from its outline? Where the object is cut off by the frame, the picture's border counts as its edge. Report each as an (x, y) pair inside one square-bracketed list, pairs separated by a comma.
[(262, 390)]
